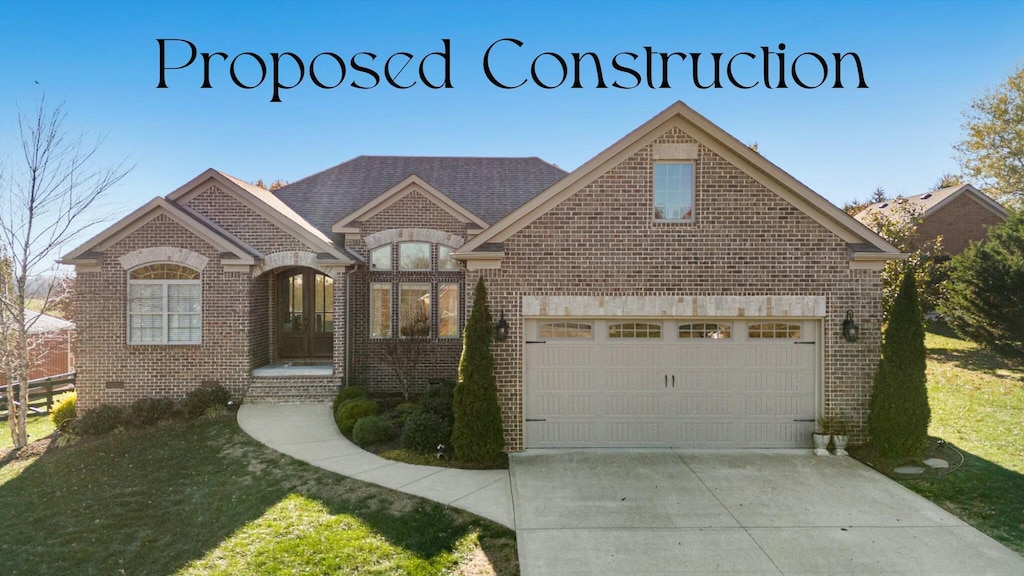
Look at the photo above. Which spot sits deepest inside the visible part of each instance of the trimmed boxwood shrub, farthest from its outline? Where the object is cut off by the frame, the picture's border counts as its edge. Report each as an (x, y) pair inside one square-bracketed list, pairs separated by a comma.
[(199, 400), (146, 412), (100, 420), (349, 393), (64, 411), (350, 411), (423, 431), (404, 410), (372, 429)]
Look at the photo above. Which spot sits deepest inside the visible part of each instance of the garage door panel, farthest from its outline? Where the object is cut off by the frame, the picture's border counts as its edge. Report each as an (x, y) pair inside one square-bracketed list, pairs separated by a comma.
[(720, 405), (555, 405), (635, 433), (567, 434), (687, 392), (710, 380), (636, 379), (635, 405)]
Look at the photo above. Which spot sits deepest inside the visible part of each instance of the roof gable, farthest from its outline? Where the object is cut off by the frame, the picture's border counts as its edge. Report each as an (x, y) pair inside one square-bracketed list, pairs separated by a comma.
[(718, 141), (264, 203), (933, 201), (237, 254), (407, 186)]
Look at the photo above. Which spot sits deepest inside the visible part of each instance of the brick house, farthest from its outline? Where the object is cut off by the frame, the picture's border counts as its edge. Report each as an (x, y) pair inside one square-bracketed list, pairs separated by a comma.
[(959, 214), (677, 289)]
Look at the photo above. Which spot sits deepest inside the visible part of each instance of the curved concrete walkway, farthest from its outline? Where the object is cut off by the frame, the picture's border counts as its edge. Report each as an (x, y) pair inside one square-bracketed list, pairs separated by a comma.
[(307, 432)]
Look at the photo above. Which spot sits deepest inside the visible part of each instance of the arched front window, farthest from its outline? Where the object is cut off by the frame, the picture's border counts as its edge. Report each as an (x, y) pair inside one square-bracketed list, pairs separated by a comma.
[(165, 305)]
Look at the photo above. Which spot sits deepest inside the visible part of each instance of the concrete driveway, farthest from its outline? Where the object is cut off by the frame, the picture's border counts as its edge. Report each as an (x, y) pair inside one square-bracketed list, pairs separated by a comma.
[(675, 512)]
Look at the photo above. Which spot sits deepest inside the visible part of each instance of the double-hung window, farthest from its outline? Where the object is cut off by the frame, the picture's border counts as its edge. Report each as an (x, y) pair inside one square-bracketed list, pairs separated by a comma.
[(673, 191), (165, 304)]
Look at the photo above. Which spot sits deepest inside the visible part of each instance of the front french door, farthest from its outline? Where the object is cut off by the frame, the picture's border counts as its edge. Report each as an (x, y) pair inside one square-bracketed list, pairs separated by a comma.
[(306, 315)]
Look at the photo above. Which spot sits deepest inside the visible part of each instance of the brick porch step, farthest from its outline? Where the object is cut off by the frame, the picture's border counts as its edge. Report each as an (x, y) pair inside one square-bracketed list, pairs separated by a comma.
[(291, 390)]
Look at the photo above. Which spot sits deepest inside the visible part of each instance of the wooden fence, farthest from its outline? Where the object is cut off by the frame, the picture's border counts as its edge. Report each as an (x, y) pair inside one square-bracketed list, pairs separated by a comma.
[(40, 392)]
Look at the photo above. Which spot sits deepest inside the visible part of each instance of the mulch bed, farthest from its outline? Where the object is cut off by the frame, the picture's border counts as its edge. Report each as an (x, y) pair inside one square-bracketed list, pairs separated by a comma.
[(33, 449)]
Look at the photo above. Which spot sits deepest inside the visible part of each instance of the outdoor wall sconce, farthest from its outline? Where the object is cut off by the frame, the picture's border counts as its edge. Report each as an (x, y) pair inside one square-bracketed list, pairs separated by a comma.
[(851, 332), (501, 328)]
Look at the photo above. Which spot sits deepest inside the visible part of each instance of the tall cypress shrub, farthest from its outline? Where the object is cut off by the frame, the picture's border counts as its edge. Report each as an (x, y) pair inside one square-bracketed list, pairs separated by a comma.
[(898, 422), (477, 434)]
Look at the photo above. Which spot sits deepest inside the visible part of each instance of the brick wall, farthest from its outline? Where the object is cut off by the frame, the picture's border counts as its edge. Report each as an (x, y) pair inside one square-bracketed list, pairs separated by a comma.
[(243, 222), (745, 241), (370, 365), (112, 371), (959, 222)]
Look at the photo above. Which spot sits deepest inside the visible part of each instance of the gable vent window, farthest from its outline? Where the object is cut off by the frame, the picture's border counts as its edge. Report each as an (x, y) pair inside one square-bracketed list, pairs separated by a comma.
[(714, 331), (634, 330), (165, 303), (673, 191), (774, 330)]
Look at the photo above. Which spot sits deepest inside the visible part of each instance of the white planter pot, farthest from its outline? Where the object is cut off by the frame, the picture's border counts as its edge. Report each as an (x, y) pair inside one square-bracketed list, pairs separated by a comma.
[(840, 442), (821, 444)]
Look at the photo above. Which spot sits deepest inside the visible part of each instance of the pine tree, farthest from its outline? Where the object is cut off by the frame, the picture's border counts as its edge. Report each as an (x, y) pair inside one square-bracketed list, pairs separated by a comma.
[(477, 434), (898, 422)]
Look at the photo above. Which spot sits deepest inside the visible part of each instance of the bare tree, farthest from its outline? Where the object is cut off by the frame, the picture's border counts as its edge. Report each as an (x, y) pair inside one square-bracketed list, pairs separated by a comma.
[(46, 193), (405, 352)]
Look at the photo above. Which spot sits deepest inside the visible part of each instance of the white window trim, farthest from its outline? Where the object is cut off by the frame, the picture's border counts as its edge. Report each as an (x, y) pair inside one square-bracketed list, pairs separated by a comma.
[(165, 313), (693, 192), (391, 305)]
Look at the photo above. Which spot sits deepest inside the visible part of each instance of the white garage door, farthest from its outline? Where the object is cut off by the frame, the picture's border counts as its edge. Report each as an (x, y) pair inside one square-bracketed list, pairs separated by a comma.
[(688, 383)]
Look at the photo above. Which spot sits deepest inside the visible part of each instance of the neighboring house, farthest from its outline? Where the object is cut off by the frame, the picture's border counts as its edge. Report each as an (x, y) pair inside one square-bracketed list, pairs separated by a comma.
[(678, 289), (50, 351), (959, 214)]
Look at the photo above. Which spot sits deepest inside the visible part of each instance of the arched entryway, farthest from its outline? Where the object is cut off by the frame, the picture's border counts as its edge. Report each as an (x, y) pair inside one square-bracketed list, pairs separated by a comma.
[(305, 314)]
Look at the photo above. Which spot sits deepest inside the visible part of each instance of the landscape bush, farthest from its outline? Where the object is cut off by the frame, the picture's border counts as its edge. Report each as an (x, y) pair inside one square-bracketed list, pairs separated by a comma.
[(99, 420), (64, 411), (371, 430), (146, 412), (197, 401), (423, 431), (439, 399), (983, 294), (348, 393), (404, 410), (350, 411)]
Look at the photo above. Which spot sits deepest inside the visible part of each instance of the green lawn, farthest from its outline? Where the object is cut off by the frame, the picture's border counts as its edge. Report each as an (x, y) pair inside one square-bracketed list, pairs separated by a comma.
[(204, 498), (39, 426), (977, 402)]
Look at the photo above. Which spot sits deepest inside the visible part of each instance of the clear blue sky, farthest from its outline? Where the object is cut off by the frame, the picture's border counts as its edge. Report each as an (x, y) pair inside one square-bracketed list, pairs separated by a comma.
[(923, 61)]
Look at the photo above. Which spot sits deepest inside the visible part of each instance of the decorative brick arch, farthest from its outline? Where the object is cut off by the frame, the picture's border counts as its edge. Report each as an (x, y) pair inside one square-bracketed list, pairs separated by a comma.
[(396, 235), (294, 258), (163, 254)]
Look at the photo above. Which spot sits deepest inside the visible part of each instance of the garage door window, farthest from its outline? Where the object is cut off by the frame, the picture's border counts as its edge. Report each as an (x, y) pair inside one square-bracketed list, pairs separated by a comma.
[(714, 331), (634, 330), (774, 330), (575, 330)]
